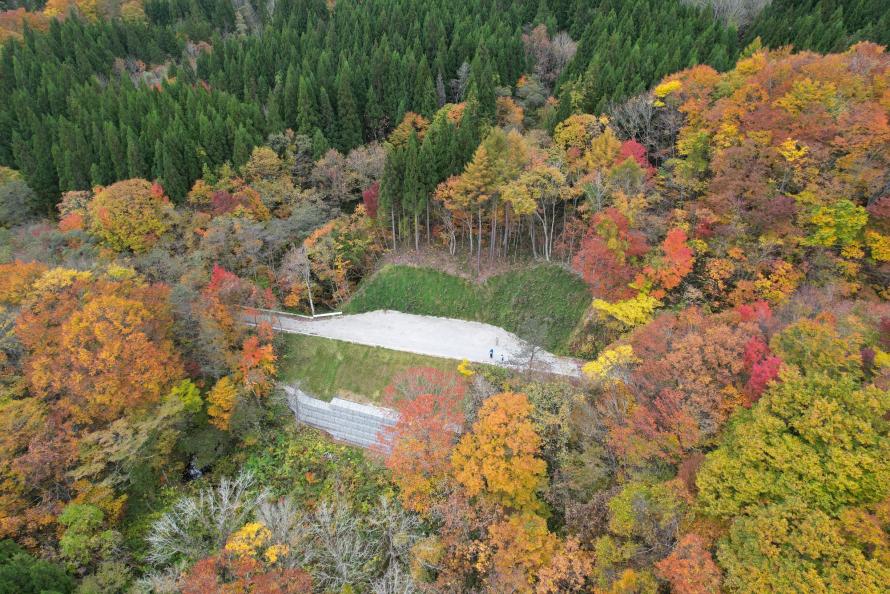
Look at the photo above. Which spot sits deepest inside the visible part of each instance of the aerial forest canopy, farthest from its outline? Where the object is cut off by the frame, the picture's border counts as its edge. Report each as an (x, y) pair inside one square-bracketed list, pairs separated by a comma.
[(165, 95), (686, 203), (88, 102)]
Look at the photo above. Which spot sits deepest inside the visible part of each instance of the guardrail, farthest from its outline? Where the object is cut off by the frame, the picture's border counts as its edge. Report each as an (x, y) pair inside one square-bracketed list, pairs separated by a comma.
[(287, 314)]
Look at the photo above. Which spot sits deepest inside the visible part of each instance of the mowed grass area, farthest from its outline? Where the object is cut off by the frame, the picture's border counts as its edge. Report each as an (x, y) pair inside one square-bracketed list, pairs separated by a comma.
[(542, 304), (325, 368)]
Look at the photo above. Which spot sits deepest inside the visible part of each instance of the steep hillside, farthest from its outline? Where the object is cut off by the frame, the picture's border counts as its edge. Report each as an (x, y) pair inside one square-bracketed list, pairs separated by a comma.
[(521, 301)]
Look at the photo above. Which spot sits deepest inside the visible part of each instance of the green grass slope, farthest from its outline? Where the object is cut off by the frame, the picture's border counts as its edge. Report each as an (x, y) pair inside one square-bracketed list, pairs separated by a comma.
[(542, 304), (325, 368)]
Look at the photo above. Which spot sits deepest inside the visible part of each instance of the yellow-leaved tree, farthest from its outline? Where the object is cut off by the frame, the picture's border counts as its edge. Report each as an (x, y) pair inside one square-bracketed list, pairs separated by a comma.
[(130, 215), (221, 400), (498, 459)]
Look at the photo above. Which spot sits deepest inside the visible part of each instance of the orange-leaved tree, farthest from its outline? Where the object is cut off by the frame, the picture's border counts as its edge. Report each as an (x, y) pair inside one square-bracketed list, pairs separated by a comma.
[(429, 404), (689, 568), (95, 351), (256, 365), (16, 279), (103, 347), (498, 460), (667, 270)]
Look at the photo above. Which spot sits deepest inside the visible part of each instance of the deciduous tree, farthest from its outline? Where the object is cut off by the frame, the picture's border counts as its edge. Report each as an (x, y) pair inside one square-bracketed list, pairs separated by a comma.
[(130, 215), (221, 402), (419, 445), (813, 438), (689, 568), (498, 460), (791, 546), (105, 347), (609, 255)]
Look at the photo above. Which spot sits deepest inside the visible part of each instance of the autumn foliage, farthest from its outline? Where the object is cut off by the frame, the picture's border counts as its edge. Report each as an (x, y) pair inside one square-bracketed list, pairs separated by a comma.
[(417, 381), (609, 255), (419, 446), (429, 404), (95, 350), (130, 215), (222, 574), (667, 270), (104, 345), (727, 432), (16, 280), (689, 379), (498, 460), (689, 568)]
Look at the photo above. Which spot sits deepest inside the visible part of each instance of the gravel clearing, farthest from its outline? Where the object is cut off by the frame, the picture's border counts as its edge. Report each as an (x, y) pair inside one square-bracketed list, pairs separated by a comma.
[(426, 335)]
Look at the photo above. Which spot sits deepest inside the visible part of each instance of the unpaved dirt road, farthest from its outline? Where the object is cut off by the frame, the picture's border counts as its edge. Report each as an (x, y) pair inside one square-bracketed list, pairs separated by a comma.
[(426, 335)]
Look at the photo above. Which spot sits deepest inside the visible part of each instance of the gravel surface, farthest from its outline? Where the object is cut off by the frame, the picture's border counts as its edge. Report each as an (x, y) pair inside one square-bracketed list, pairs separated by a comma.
[(427, 335)]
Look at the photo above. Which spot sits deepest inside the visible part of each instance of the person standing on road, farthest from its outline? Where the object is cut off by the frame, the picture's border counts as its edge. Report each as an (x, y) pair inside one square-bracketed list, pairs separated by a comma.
[(491, 353)]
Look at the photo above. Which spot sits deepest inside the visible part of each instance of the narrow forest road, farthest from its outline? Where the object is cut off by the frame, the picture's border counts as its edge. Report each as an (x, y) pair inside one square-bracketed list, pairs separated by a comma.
[(426, 335)]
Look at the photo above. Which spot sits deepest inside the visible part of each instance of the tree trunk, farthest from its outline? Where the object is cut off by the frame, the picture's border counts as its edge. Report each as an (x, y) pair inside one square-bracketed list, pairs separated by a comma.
[(552, 231), (517, 237), (392, 214), (416, 234), (311, 304), (470, 234), (506, 228), (479, 246), (545, 229), (531, 233), (493, 233)]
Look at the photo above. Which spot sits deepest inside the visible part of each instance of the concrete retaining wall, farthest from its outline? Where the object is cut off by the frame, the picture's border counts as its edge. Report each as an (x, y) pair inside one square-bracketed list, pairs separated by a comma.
[(351, 422)]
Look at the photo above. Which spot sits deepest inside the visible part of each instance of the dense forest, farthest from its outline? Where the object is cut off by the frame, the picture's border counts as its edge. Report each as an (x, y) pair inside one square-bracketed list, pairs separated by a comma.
[(822, 25), (689, 198), (83, 91)]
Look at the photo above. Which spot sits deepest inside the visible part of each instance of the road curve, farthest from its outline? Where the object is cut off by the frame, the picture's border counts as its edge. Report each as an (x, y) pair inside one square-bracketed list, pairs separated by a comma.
[(425, 335)]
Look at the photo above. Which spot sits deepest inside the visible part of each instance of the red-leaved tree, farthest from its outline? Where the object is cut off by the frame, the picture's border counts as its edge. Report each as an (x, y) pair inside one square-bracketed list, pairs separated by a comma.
[(222, 574), (636, 151), (429, 403), (608, 256), (371, 199), (689, 568)]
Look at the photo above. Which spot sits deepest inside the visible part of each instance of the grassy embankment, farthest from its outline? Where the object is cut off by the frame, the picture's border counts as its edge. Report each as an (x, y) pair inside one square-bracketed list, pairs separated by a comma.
[(542, 304), (326, 368)]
